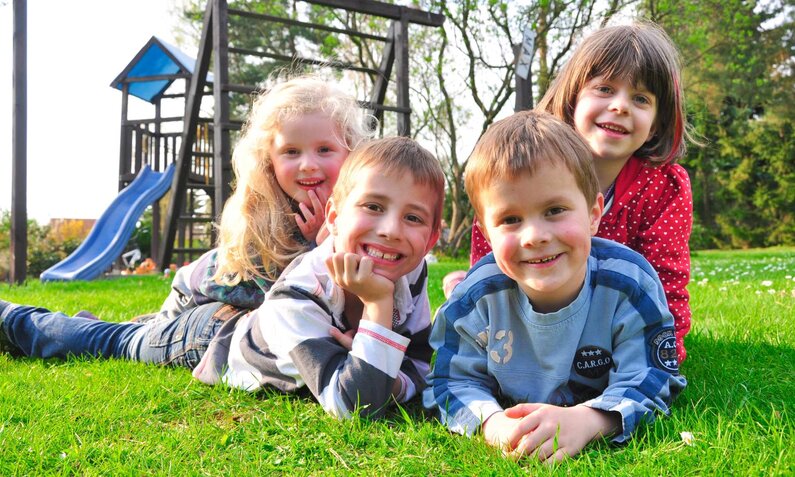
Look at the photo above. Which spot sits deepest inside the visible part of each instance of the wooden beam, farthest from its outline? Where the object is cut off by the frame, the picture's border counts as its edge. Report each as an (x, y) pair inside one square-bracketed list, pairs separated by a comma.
[(314, 26), (19, 133), (192, 107), (298, 59), (395, 12), (144, 79)]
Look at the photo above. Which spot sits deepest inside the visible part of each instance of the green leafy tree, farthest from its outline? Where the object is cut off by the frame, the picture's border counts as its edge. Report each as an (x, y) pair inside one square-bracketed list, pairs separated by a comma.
[(738, 59)]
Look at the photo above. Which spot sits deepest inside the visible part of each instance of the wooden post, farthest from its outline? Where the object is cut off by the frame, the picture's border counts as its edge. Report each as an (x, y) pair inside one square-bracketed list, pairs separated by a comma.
[(523, 87), (402, 74), (222, 167), (192, 106), (523, 54), (19, 133), (387, 60), (124, 137)]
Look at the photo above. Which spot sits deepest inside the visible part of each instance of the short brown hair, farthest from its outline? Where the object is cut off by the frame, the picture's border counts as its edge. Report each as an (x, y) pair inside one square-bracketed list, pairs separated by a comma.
[(522, 143), (394, 156), (639, 53)]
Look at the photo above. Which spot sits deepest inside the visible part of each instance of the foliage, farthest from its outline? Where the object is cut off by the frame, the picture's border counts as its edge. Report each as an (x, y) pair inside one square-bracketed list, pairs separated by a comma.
[(106, 417), (739, 68), (739, 59), (45, 246)]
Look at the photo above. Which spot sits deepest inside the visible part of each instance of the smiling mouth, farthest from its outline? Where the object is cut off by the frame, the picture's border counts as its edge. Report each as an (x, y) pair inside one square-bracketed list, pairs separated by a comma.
[(375, 253), (543, 260), (310, 182), (613, 128)]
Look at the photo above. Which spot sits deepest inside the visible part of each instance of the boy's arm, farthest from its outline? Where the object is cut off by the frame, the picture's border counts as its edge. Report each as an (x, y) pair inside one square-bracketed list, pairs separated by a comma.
[(459, 385), (417, 362), (645, 375), (297, 326)]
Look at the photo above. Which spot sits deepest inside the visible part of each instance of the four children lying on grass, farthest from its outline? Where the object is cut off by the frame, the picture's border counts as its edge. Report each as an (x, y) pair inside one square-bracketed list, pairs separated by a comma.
[(571, 332)]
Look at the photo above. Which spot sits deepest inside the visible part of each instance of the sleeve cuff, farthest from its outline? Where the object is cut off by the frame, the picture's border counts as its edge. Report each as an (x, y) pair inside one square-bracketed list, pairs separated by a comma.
[(380, 347)]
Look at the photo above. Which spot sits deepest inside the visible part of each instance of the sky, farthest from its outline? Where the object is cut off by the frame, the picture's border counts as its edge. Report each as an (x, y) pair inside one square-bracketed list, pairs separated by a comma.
[(75, 50)]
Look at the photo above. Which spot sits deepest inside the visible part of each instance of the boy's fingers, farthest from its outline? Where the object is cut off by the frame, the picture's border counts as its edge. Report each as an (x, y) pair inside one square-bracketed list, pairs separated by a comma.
[(365, 267), (344, 339), (336, 263), (558, 456), (351, 261), (521, 410)]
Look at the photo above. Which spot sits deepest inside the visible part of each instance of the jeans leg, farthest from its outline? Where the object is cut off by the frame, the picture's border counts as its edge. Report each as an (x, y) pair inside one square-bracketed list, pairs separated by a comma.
[(41, 333), (181, 341)]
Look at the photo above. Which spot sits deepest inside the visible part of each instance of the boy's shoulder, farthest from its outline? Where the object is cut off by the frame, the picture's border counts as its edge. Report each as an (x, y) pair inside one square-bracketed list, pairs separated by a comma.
[(611, 255), (618, 267)]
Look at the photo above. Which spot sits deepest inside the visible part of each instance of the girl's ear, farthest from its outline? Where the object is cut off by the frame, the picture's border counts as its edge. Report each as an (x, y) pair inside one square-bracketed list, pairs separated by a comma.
[(331, 216)]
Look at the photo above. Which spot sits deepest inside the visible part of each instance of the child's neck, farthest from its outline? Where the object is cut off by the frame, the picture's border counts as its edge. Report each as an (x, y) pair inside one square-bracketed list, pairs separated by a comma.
[(607, 171)]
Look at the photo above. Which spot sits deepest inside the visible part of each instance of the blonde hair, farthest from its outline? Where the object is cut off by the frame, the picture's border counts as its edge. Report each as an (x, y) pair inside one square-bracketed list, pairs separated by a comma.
[(257, 236), (394, 156), (640, 53), (520, 144)]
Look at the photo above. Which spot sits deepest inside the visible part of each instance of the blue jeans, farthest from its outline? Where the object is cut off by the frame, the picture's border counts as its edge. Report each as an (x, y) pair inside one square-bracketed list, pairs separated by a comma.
[(181, 341)]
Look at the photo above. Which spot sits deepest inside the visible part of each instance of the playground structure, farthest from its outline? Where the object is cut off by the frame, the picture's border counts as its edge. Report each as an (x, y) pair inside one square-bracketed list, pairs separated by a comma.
[(194, 151)]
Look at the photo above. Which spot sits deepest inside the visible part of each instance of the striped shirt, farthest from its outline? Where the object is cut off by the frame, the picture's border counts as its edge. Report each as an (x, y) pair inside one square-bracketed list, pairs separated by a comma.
[(285, 344)]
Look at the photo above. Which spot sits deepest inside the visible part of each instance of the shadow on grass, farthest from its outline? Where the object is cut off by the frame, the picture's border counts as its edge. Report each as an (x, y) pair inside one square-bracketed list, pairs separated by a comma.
[(732, 374)]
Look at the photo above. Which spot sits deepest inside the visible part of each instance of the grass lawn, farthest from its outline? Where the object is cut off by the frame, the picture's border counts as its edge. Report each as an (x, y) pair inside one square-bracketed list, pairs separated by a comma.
[(92, 417)]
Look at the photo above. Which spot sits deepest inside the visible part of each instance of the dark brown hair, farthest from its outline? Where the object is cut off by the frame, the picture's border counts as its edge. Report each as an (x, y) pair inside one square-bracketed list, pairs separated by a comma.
[(641, 53)]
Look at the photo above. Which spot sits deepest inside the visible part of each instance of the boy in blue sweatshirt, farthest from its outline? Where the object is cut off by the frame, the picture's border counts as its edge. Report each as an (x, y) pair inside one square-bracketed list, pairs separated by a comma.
[(570, 331)]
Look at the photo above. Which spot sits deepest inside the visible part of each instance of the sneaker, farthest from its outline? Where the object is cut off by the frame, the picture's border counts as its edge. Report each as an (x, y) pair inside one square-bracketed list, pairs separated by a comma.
[(6, 346)]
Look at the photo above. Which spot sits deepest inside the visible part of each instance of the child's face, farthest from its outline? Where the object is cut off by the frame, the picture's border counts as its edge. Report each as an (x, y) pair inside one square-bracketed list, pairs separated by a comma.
[(389, 218), (614, 117), (307, 155), (540, 229)]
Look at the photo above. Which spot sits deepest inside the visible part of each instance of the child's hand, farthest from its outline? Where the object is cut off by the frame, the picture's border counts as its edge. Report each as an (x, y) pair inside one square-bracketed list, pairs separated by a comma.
[(313, 214), (344, 339), (553, 432), (503, 431), (355, 275)]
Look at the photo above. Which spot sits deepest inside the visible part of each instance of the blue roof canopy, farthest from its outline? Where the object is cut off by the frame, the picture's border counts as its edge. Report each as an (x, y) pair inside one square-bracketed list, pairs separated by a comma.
[(157, 58)]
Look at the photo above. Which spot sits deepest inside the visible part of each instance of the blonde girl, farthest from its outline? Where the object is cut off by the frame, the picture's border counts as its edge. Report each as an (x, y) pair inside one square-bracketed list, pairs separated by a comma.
[(296, 138)]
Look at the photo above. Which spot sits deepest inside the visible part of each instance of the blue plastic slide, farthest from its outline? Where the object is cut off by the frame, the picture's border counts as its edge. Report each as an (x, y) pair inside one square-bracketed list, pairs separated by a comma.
[(113, 229)]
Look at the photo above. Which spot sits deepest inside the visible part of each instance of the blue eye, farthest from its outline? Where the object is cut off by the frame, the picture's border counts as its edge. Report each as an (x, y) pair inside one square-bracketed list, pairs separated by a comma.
[(604, 89)]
